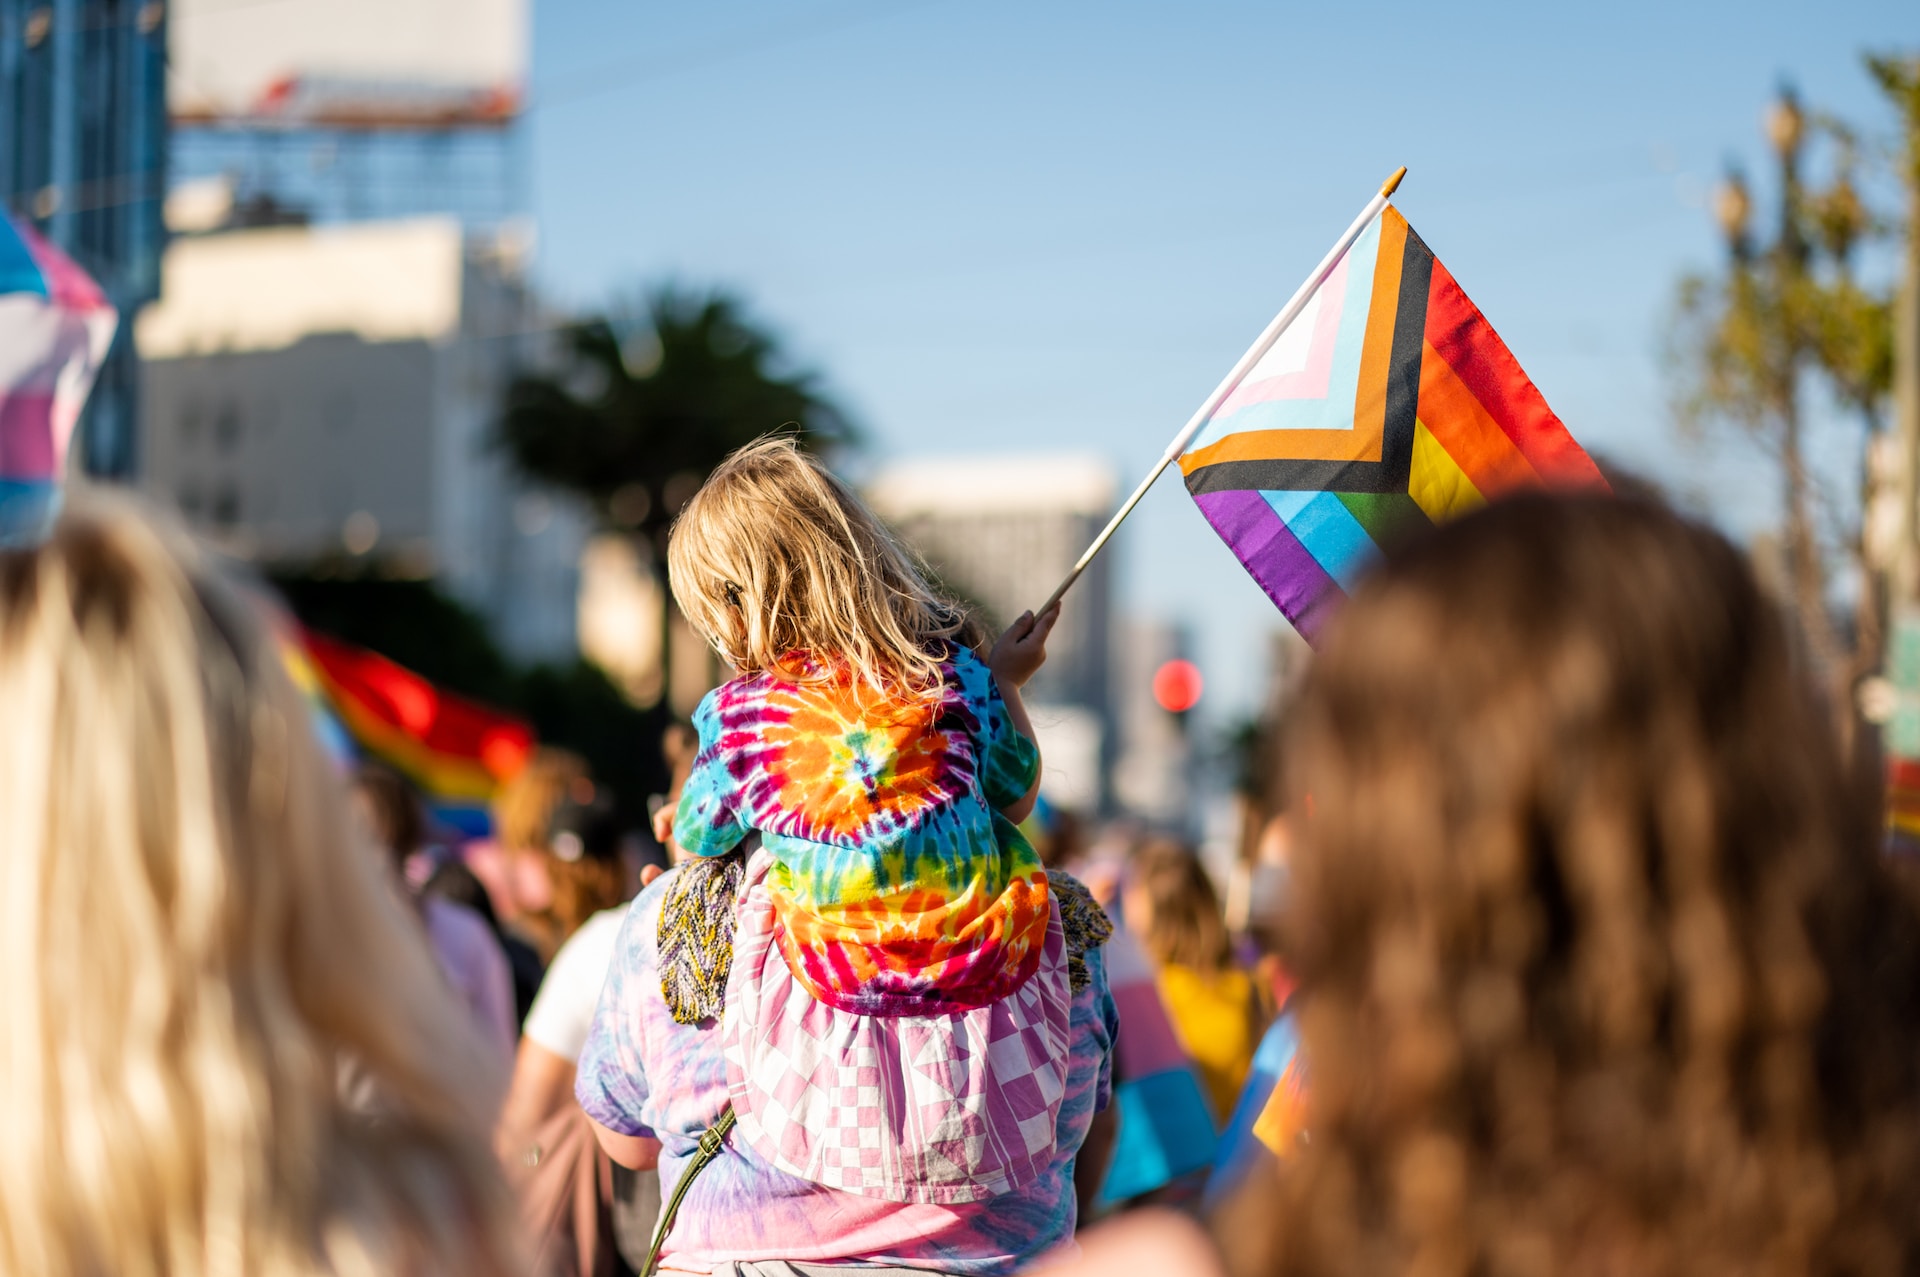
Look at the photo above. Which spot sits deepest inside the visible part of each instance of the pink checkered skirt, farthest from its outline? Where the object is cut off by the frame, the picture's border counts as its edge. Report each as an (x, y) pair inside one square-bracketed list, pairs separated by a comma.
[(941, 1109)]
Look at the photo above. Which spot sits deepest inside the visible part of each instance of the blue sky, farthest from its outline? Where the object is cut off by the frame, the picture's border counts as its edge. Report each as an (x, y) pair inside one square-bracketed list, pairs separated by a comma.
[(1053, 225)]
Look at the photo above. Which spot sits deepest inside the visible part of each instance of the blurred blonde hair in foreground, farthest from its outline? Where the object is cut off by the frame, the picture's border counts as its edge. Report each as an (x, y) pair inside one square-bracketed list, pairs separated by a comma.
[(1601, 972), (193, 955)]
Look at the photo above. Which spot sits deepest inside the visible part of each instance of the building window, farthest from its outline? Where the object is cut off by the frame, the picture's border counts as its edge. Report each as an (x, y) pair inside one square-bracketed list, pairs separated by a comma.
[(338, 413), (226, 506), (226, 429)]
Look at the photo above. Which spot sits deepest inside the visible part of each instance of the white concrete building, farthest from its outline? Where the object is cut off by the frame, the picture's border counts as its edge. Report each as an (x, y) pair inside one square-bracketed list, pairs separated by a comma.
[(1002, 532), (317, 391), (1153, 772)]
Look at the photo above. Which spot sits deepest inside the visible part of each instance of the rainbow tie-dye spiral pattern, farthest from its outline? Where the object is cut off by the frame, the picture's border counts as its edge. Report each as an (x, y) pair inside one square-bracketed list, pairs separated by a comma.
[(898, 887)]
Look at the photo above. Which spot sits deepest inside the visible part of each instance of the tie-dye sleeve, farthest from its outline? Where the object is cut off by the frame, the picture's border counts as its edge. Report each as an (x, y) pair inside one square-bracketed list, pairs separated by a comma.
[(1109, 1024), (610, 1084), (1008, 760), (707, 821)]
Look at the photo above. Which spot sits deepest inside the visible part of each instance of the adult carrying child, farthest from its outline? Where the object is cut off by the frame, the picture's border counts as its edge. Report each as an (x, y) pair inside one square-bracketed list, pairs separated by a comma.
[(901, 998)]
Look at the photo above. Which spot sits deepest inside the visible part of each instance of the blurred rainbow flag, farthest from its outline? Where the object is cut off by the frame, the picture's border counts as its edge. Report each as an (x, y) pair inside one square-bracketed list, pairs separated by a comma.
[(333, 735), (1270, 1117), (458, 752), (55, 327), (1903, 802), (1389, 402)]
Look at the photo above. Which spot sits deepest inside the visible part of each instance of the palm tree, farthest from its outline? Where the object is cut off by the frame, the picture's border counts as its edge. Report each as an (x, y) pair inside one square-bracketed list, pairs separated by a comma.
[(633, 417)]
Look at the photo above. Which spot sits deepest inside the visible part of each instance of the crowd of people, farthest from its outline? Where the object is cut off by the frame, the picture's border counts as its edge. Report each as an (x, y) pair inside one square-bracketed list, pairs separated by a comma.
[(1578, 953)]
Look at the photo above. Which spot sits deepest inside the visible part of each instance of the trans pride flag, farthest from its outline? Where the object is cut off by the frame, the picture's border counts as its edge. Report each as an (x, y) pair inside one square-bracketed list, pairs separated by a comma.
[(1389, 403), (55, 327), (1167, 1130), (1270, 1118)]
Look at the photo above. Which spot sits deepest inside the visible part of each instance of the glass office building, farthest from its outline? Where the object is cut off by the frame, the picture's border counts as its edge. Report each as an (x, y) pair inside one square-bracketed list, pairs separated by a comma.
[(326, 174), (83, 155)]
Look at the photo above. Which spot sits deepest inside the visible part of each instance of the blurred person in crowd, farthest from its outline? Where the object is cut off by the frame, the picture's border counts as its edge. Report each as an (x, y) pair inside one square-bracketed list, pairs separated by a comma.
[(1268, 1120), (540, 884), (197, 953), (679, 744), (1171, 908), (1258, 944), (388, 813), (1166, 1131), (1602, 973), (1058, 837), (1057, 833), (453, 880), (564, 1181), (1101, 861)]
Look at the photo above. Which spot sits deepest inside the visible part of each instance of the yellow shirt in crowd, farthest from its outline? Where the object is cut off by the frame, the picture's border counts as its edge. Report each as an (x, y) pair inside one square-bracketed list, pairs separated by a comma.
[(1217, 1018)]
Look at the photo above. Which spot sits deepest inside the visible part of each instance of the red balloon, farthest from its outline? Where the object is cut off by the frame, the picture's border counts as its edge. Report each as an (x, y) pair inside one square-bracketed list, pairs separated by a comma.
[(1177, 686)]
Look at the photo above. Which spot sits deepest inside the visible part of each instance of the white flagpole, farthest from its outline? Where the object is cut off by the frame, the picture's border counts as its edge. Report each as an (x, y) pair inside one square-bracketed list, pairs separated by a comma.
[(1261, 345)]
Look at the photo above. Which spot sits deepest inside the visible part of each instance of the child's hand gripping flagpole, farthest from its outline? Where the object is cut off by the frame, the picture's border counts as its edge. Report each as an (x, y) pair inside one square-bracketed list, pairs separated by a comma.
[(1261, 345)]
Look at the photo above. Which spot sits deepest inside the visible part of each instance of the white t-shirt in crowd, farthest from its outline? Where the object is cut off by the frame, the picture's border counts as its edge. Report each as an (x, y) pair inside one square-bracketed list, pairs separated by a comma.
[(563, 1008)]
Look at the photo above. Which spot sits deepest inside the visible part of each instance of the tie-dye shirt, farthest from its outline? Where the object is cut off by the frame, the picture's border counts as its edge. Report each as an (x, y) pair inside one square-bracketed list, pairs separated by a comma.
[(643, 1074), (899, 888)]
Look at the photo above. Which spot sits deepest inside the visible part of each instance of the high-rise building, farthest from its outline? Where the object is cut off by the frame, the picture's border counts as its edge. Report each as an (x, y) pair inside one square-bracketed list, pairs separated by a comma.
[(317, 393), (1001, 533), (83, 156), (347, 297), (1153, 769), (353, 110)]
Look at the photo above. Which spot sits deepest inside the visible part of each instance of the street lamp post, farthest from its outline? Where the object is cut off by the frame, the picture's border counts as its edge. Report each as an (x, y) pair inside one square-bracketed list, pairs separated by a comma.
[(1786, 130), (1768, 287), (1905, 585), (1733, 209)]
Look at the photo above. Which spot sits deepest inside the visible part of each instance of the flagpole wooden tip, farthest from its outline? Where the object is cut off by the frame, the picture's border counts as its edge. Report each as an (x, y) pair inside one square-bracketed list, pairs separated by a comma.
[(1393, 183)]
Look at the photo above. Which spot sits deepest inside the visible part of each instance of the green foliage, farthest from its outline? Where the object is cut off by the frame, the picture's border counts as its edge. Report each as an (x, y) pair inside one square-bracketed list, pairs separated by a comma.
[(1782, 318), (1899, 79), (1745, 340), (635, 425), (1850, 332)]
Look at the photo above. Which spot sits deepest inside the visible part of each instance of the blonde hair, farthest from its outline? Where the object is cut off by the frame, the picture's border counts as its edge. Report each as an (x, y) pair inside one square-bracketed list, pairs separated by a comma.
[(775, 556), (194, 954), (1184, 923)]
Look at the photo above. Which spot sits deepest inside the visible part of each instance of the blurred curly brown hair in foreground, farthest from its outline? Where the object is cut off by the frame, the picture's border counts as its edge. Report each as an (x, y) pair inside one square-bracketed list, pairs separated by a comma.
[(1604, 976)]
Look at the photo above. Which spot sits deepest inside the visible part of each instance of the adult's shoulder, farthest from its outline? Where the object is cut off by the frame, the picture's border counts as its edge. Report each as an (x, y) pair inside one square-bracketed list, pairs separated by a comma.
[(1085, 927), (630, 933), (644, 909)]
